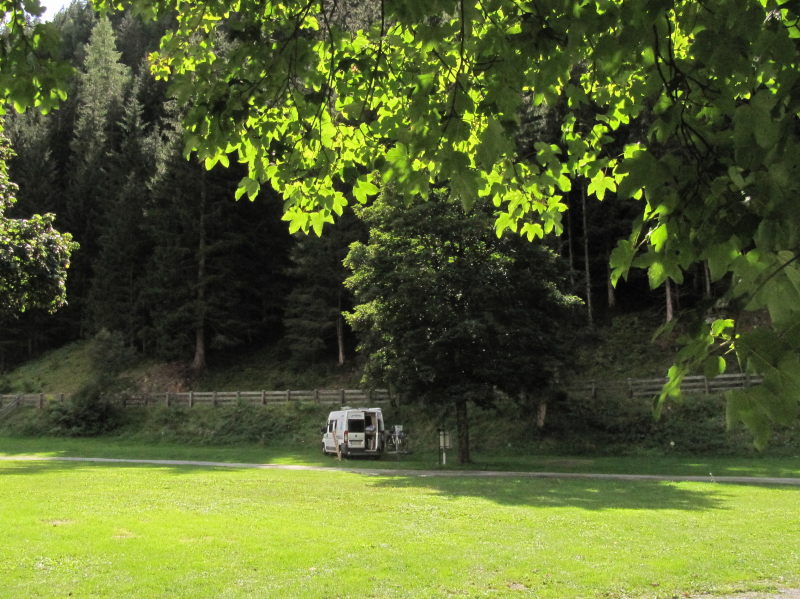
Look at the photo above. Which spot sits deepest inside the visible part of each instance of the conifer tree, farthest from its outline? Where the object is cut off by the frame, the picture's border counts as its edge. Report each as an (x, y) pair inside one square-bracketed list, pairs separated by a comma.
[(102, 83), (213, 279), (115, 296)]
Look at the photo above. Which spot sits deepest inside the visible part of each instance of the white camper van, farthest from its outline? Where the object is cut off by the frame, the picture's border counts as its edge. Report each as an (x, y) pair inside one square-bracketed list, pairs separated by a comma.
[(354, 431)]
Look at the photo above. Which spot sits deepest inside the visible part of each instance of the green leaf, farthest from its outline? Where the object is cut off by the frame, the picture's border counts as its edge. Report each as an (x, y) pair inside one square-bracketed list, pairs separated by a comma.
[(720, 258), (494, 143), (465, 188), (621, 259), (249, 186), (364, 188), (601, 183), (714, 366), (658, 237)]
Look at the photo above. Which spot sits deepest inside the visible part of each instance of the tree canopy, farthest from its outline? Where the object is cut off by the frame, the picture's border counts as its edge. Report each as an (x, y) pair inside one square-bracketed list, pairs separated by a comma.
[(34, 257), (448, 313), (689, 108)]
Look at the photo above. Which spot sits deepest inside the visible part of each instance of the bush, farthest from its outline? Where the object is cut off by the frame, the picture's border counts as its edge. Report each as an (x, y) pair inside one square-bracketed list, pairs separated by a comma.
[(90, 412)]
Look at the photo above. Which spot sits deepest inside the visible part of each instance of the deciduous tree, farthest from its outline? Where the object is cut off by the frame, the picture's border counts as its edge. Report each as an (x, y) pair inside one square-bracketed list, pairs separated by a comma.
[(448, 313), (34, 256)]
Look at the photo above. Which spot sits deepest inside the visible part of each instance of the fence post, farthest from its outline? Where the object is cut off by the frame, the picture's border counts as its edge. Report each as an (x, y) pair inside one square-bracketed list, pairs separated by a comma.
[(60, 398), (41, 401), (630, 387), (369, 397), (214, 399), (166, 399), (238, 396), (705, 382), (288, 395), (316, 395), (191, 399), (341, 397)]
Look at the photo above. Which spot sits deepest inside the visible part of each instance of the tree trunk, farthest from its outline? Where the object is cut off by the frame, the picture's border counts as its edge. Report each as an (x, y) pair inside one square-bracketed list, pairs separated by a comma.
[(668, 296), (589, 313), (612, 296), (199, 361), (570, 250), (463, 431), (706, 281), (340, 329), (541, 414)]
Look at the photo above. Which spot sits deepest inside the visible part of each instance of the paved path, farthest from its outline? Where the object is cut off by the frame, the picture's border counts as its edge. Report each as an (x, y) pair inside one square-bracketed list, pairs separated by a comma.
[(747, 480)]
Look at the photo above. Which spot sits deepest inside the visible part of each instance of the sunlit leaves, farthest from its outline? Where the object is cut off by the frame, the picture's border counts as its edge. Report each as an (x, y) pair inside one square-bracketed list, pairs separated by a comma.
[(601, 183), (689, 108)]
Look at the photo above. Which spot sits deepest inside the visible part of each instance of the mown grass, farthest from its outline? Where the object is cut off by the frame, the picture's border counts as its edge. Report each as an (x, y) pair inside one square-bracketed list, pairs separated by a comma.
[(122, 531)]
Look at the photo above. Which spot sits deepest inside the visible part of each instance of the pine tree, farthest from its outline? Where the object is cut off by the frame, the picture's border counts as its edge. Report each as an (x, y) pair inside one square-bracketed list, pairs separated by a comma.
[(114, 299), (101, 89), (214, 277)]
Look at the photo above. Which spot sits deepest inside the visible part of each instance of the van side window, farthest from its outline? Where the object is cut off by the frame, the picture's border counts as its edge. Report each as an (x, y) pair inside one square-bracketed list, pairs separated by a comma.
[(331, 426)]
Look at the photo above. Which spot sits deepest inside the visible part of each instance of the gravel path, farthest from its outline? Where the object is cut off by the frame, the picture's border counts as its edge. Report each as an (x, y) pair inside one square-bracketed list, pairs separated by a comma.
[(747, 480)]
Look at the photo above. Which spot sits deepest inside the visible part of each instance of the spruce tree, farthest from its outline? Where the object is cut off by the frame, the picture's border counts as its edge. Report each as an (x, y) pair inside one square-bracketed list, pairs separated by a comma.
[(102, 83), (214, 277), (115, 296)]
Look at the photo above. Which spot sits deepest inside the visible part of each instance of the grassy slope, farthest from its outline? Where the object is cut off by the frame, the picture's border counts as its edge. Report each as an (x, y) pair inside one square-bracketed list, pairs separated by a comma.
[(619, 348), (67, 369), (62, 370), (136, 531)]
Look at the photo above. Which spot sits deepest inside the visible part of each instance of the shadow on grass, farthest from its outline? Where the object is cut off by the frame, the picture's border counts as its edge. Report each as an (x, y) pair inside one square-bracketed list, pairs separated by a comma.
[(509, 491), (575, 493)]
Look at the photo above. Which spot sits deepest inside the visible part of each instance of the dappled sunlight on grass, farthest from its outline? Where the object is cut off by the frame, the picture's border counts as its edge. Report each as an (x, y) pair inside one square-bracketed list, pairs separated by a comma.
[(126, 531)]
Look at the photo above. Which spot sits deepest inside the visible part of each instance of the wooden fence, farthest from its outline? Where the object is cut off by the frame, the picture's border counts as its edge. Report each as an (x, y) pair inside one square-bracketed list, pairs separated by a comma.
[(190, 399), (341, 397), (652, 387)]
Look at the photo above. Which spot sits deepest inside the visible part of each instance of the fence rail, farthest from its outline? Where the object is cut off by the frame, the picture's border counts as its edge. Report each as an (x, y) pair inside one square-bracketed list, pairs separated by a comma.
[(652, 387), (632, 387), (216, 398)]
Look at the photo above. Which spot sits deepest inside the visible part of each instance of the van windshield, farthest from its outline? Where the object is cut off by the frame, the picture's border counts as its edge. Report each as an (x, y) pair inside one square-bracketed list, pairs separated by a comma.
[(355, 426)]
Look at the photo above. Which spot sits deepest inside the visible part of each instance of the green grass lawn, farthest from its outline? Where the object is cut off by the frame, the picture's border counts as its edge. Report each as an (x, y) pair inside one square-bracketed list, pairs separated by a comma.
[(116, 531)]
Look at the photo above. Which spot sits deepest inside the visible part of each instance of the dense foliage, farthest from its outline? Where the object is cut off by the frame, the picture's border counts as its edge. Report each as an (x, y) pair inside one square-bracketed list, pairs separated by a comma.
[(448, 313), (688, 108)]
